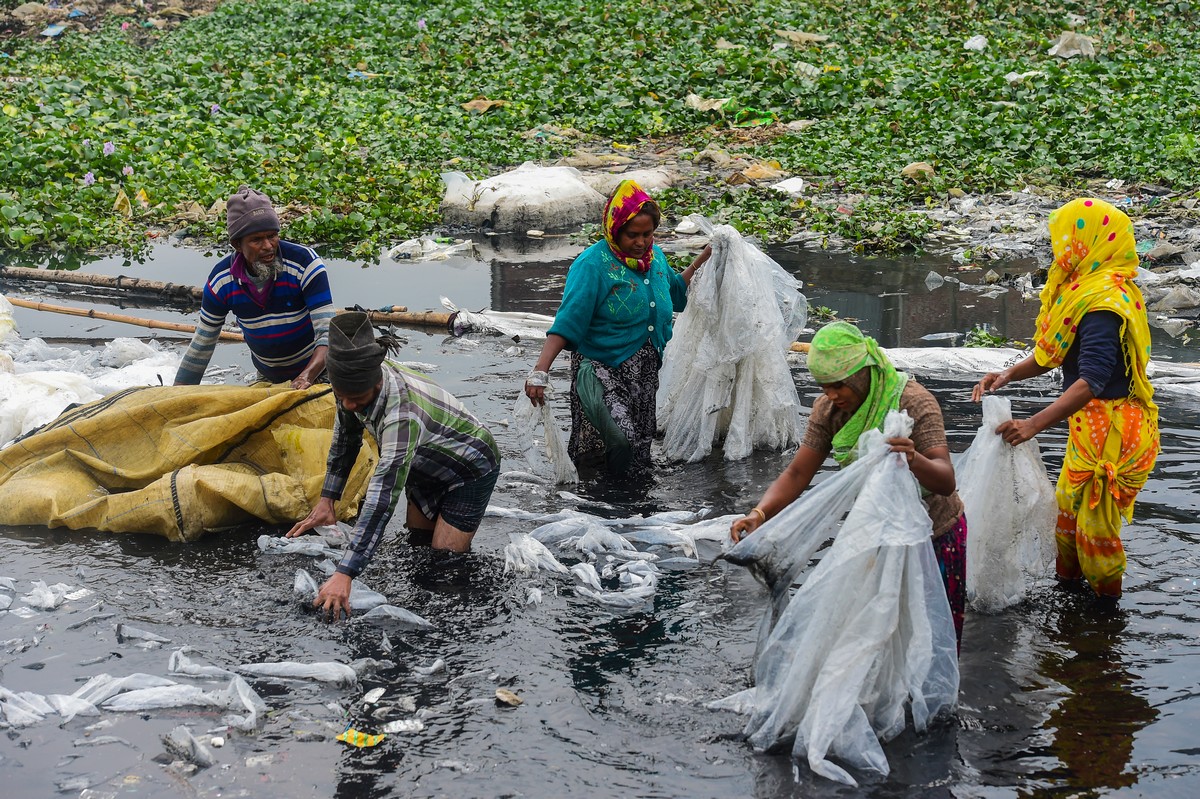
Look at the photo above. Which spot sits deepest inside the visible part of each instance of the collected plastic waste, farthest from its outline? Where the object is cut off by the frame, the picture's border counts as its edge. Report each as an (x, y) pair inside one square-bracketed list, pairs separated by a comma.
[(528, 197), (868, 633), (725, 373), (525, 555), (1011, 513)]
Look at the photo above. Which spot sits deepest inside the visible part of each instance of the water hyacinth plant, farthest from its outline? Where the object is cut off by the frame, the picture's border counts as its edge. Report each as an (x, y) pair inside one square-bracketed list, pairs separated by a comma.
[(262, 92)]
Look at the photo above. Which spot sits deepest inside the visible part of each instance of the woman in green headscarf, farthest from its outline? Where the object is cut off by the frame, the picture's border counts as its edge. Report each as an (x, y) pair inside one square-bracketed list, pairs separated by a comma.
[(859, 386)]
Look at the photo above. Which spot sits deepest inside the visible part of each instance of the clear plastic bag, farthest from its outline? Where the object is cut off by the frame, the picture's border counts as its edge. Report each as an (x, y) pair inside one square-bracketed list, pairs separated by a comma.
[(1011, 512), (725, 374), (869, 632), (526, 417)]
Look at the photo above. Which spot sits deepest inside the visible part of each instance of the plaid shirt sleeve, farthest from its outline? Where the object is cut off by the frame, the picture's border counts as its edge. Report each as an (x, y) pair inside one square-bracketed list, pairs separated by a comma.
[(398, 442), (347, 441)]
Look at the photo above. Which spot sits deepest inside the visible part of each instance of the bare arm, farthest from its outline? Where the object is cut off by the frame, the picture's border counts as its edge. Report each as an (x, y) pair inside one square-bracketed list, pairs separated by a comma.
[(1022, 370), (1075, 397), (690, 272), (312, 370), (550, 350), (787, 486)]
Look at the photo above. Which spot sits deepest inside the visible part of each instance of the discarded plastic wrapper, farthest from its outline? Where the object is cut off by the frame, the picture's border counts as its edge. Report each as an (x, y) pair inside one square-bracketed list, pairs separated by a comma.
[(329, 671), (868, 633), (427, 248), (361, 597), (1011, 512), (394, 616), (359, 740), (525, 555), (725, 372)]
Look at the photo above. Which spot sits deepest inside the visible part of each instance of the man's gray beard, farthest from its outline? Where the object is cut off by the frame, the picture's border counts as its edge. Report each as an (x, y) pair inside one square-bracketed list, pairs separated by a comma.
[(262, 271)]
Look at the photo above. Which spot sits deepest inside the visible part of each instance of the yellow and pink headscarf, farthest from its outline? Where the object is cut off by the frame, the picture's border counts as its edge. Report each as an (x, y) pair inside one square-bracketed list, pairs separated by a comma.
[(626, 202)]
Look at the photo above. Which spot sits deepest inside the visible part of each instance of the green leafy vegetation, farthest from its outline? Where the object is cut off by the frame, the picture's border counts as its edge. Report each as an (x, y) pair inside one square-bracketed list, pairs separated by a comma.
[(348, 110), (982, 336)]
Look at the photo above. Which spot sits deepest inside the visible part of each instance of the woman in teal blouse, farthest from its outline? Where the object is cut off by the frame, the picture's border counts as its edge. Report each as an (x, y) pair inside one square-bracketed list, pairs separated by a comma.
[(616, 317)]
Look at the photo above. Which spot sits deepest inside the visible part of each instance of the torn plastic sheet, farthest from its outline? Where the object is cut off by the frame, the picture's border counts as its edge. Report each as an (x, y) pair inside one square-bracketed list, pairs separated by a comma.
[(725, 375), (516, 325), (868, 633), (396, 617), (1011, 512), (526, 417), (525, 555), (182, 665), (329, 671)]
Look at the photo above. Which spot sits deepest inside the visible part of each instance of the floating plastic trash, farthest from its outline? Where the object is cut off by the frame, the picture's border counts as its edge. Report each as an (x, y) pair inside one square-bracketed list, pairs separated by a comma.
[(360, 740)]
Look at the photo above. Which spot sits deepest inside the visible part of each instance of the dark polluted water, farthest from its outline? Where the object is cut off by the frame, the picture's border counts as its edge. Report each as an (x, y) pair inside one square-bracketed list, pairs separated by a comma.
[(1056, 699)]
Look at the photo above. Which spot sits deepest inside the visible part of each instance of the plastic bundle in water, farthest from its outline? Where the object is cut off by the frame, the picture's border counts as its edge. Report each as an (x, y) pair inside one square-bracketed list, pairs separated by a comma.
[(526, 416), (1011, 512), (725, 373), (868, 633), (530, 196)]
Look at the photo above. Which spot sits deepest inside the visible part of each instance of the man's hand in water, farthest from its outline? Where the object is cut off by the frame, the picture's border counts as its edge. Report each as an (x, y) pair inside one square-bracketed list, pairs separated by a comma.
[(333, 600)]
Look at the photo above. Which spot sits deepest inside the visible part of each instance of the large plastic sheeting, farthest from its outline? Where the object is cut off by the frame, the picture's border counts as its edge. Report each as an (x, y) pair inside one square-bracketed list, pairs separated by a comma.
[(517, 325), (868, 633), (178, 461), (527, 198), (725, 373), (550, 458), (1011, 513)]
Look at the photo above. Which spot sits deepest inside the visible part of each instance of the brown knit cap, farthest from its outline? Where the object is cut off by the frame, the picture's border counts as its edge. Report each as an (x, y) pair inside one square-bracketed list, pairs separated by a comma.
[(249, 211)]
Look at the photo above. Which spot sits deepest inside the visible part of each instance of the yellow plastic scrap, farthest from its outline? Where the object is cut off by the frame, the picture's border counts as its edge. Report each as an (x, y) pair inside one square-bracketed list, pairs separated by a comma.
[(360, 740)]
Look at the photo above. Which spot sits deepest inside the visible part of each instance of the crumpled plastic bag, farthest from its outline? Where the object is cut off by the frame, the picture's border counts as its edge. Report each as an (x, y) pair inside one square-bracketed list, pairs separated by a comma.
[(182, 665), (526, 198), (517, 325), (868, 633), (725, 373), (1011, 513), (526, 417), (525, 555), (329, 671)]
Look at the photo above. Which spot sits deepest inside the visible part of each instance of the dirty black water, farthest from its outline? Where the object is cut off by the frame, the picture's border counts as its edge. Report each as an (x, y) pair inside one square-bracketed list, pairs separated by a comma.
[(1056, 700)]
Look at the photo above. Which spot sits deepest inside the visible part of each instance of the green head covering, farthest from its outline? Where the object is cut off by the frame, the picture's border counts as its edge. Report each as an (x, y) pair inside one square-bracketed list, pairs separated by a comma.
[(840, 350)]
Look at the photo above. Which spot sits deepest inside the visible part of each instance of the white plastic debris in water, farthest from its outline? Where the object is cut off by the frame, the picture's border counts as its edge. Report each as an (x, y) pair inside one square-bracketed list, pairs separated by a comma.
[(436, 667), (8, 325), (530, 196), (518, 325), (312, 546), (1071, 44), (403, 726), (599, 539), (526, 418), (934, 281), (236, 696), (44, 597), (525, 555), (977, 43), (181, 664), (792, 186), (396, 617), (868, 633), (330, 671), (1011, 513), (725, 372), (361, 597), (427, 248), (38, 382)]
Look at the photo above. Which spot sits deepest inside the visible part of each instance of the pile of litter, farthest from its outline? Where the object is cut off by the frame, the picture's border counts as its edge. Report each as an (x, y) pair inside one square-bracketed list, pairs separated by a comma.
[(618, 562), (529, 197)]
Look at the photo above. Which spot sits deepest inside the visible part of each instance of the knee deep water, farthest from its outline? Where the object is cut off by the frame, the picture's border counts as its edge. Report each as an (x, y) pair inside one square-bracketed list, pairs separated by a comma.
[(1056, 699)]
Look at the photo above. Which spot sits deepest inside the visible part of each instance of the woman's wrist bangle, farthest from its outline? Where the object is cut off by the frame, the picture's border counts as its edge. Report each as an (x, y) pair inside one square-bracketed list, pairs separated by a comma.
[(761, 514)]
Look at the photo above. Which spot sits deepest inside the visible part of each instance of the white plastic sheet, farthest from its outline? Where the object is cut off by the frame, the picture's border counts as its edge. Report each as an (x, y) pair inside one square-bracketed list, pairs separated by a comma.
[(869, 632), (526, 417), (329, 671), (525, 555), (725, 372), (519, 325), (396, 618), (361, 597), (1011, 513)]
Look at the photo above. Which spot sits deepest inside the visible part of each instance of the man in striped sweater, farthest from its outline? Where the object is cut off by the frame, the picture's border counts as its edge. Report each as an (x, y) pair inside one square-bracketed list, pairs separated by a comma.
[(430, 447), (277, 291)]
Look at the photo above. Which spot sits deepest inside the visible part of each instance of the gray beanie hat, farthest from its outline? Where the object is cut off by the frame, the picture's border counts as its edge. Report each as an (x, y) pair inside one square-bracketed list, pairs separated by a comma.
[(249, 211), (354, 356)]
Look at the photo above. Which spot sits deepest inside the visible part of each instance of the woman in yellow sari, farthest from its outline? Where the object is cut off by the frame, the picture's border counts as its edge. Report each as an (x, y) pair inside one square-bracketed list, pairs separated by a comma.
[(1093, 324)]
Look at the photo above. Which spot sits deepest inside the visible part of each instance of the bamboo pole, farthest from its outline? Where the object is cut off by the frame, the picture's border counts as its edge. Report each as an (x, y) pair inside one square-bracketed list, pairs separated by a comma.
[(92, 313), (175, 290), (409, 318)]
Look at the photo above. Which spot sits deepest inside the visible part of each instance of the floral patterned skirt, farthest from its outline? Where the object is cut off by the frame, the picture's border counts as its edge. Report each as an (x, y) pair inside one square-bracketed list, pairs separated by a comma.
[(629, 395)]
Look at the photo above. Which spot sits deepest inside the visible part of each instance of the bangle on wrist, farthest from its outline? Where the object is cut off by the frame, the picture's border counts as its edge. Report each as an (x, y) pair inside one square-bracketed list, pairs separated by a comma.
[(761, 514)]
